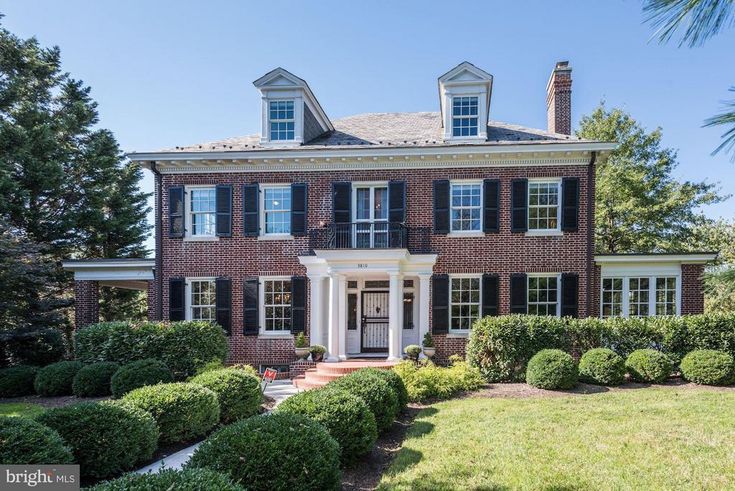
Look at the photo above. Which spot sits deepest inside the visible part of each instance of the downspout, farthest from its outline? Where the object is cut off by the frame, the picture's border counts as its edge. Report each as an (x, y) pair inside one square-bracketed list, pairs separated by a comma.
[(590, 231), (159, 242)]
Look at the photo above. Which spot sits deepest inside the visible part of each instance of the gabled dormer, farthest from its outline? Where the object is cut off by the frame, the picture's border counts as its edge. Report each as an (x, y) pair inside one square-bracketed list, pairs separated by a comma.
[(291, 114), (464, 94)]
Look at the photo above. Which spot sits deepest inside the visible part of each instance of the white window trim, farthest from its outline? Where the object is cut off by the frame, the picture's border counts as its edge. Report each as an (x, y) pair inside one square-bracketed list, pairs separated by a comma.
[(466, 233), (270, 121), (261, 307), (449, 92), (625, 308), (558, 288), (479, 96), (187, 283), (188, 237), (261, 207), (285, 94), (543, 231), (462, 333)]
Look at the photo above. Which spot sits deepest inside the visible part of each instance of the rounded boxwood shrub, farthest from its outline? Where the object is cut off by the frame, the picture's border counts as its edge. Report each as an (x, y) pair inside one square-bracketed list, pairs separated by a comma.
[(238, 392), (25, 441), (375, 391), (17, 381), (395, 381), (273, 451), (183, 411), (648, 365), (94, 380), (345, 416), (56, 379), (106, 439), (602, 366), (708, 367), (552, 369), (170, 479), (139, 374)]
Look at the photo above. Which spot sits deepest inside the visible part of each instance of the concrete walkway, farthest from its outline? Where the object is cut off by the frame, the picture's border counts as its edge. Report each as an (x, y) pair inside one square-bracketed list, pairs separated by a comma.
[(279, 390)]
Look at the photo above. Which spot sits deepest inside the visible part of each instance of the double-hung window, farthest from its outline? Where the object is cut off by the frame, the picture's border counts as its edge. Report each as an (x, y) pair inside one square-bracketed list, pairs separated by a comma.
[(466, 207), (202, 212), (543, 205), (464, 303), (277, 210), (276, 306), (639, 296), (465, 116), (202, 305), (281, 120), (543, 295)]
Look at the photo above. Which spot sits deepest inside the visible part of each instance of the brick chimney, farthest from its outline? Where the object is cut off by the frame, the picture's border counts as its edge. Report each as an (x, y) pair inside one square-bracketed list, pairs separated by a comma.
[(559, 99)]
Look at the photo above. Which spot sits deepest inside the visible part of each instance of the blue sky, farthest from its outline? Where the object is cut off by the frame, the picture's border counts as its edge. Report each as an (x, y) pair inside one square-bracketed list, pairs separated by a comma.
[(169, 73)]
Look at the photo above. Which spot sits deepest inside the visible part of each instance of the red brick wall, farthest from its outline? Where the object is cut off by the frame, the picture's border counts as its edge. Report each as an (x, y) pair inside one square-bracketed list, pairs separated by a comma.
[(503, 253), (692, 289), (86, 303)]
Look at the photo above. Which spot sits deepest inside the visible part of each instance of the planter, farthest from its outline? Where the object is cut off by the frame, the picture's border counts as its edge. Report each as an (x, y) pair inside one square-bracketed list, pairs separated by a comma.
[(317, 357), (302, 353), (429, 352)]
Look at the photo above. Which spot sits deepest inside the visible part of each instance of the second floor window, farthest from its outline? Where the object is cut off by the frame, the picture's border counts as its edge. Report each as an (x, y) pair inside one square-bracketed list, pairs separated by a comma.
[(543, 205), (466, 207), (281, 119), (202, 300), (203, 211), (464, 116), (277, 209)]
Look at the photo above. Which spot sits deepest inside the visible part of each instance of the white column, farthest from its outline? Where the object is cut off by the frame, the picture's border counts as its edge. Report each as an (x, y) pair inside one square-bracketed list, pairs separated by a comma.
[(333, 324), (342, 323), (395, 307), (424, 280), (316, 301)]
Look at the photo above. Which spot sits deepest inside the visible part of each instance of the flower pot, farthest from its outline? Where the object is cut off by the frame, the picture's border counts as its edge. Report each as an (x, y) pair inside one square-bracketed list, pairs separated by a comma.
[(429, 352), (301, 353), (317, 357)]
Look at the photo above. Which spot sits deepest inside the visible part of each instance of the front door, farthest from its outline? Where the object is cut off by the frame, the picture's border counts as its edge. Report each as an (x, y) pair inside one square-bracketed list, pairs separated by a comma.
[(374, 322)]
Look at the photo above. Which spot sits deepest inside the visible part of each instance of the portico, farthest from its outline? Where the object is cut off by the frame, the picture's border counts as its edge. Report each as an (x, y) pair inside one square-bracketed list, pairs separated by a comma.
[(351, 289)]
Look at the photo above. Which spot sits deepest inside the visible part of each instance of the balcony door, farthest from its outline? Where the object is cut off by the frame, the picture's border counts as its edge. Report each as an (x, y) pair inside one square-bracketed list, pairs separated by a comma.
[(371, 216)]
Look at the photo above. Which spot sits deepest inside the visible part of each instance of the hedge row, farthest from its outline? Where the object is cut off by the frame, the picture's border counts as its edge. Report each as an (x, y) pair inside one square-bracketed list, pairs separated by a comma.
[(182, 346), (500, 347)]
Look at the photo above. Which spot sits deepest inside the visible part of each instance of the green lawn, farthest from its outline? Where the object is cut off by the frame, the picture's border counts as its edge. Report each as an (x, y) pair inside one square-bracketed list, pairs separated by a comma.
[(653, 438), (20, 409)]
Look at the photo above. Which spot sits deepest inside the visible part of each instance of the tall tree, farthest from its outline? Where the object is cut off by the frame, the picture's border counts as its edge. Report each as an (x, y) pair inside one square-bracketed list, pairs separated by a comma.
[(640, 206), (720, 277)]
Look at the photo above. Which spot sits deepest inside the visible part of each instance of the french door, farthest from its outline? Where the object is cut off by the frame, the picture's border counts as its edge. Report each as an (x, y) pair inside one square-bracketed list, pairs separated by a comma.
[(371, 217)]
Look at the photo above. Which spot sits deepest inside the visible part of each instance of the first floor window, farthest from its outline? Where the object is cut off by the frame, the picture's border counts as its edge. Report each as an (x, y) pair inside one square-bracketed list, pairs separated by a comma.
[(666, 296), (277, 305), (277, 209), (466, 207), (639, 296), (542, 295), (543, 205), (465, 303), (612, 297), (638, 299), (203, 306), (203, 211)]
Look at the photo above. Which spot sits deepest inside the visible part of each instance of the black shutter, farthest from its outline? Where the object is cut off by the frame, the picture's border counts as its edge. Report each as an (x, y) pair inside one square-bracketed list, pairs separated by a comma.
[(176, 211), (250, 213), (223, 299), (440, 304), (519, 205), (342, 202), (491, 208), (518, 294), (569, 294), (176, 299), (224, 210), (570, 204), (299, 193), (441, 207), (490, 294), (298, 304), (397, 201), (250, 317)]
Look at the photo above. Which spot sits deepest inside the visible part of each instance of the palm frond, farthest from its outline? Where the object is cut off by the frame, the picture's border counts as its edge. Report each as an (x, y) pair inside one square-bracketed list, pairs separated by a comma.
[(700, 19), (727, 117)]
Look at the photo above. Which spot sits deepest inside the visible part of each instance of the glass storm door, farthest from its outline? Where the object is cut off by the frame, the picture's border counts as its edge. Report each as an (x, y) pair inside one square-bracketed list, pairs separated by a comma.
[(371, 217)]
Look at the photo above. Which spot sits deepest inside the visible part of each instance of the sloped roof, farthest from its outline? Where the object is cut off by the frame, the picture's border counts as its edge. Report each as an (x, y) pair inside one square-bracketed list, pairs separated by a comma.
[(375, 130)]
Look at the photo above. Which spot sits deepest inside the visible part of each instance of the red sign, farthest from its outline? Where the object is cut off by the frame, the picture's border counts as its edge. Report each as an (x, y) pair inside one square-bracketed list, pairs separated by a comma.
[(269, 375)]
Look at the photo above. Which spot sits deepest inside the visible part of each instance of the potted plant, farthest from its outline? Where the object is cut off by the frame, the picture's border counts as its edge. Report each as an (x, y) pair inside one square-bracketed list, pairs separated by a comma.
[(317, 352), (412, 351), (429, 349), (302, 347)]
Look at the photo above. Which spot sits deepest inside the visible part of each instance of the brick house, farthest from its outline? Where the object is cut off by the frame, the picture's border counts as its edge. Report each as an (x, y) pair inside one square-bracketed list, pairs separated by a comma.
[(367, 232)]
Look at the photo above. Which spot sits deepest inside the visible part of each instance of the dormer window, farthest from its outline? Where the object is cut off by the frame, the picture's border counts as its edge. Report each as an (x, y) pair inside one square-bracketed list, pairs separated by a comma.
[(464, 116), (281, 119)]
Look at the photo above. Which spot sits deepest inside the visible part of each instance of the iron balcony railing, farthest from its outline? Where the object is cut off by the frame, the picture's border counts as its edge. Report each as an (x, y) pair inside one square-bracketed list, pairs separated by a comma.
[(370, 235)]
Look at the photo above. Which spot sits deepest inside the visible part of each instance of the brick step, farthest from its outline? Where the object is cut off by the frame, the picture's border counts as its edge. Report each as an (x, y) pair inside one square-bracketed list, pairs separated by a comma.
[(302, 384), (316, 377), (345, 367)]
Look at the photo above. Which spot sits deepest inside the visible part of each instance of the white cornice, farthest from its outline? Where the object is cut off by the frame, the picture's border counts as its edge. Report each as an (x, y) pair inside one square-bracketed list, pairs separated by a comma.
[(689, 258)]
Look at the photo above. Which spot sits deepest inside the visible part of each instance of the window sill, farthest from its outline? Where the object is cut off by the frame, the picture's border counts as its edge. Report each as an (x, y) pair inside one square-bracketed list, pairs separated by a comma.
[(458, 335), (213, 238), (285, 335), (276, 237), (466, 234), (544, 233)]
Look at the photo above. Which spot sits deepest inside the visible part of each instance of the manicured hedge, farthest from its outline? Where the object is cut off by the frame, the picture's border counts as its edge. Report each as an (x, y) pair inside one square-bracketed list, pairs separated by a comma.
[(602, 366), (56, 379), (279, 451), (375, 391), (182, 346), (139, 374), (648, 365), (552, 369), (708, 367), (106, 439), (345, 416), (500, 347), (32, 346), (94, 380), (17, 381), (425, 381), (25, 441), (238, 392), (395, 382), (169, 480), (182, 411)]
